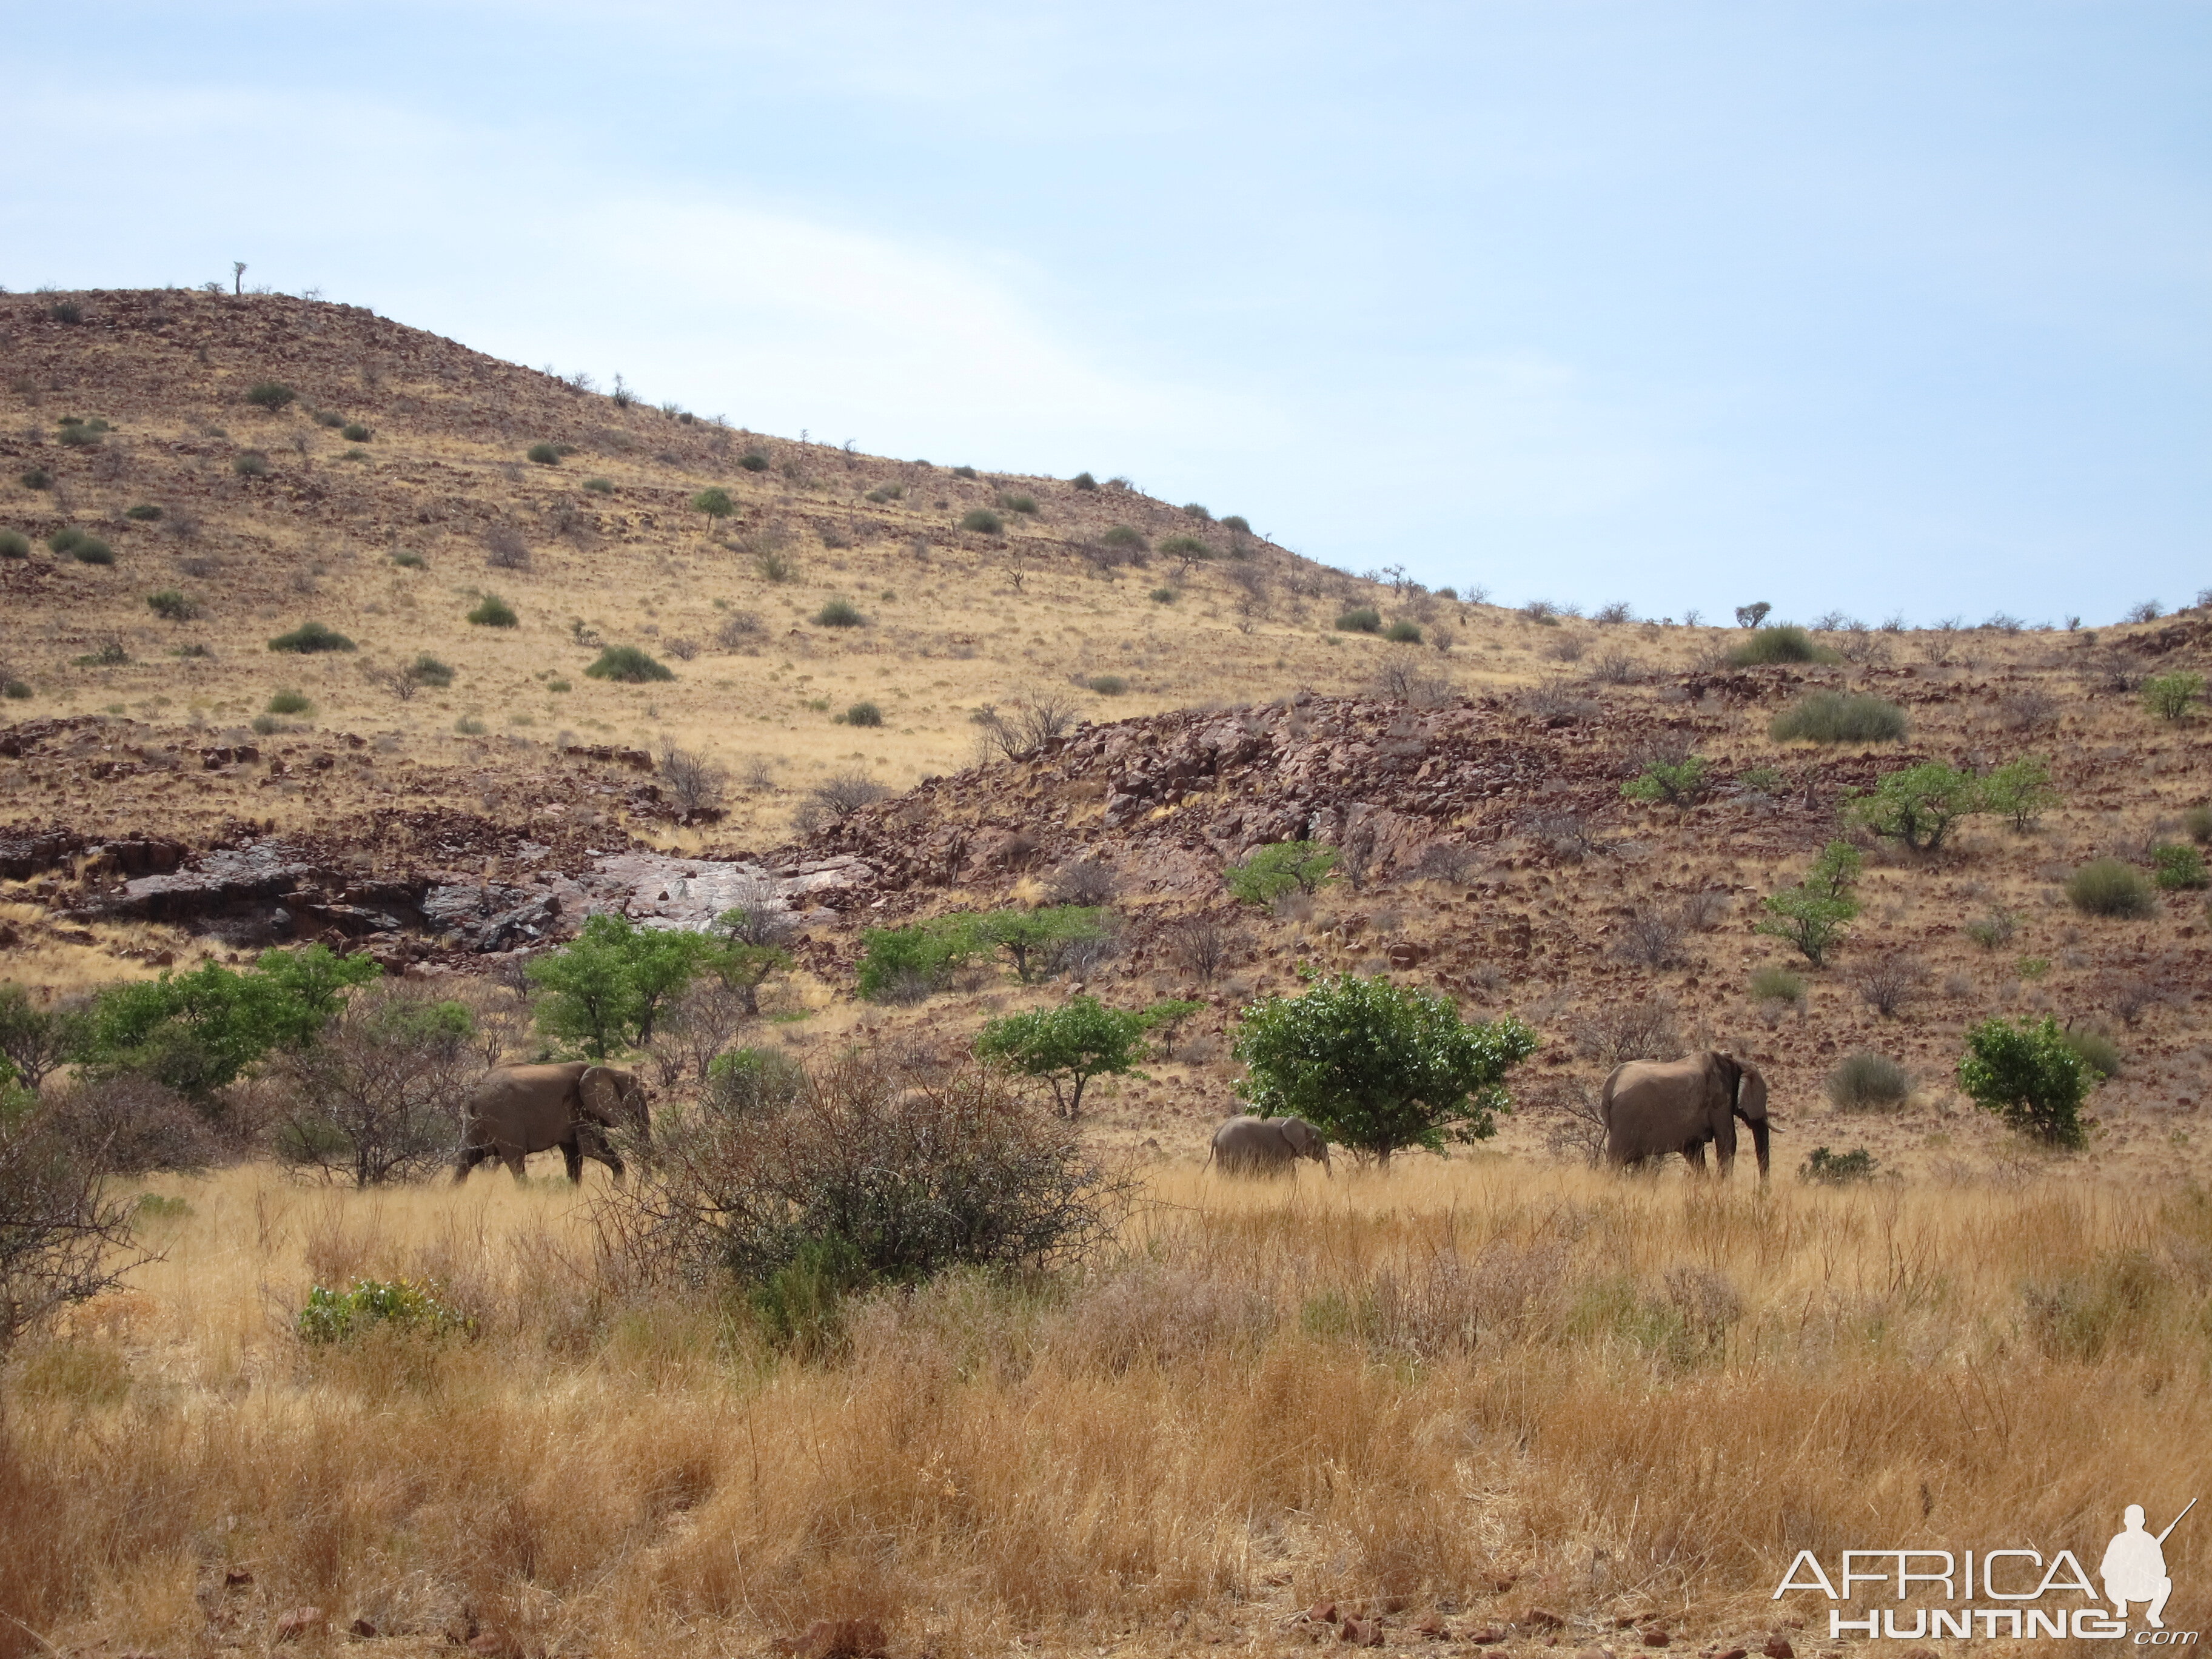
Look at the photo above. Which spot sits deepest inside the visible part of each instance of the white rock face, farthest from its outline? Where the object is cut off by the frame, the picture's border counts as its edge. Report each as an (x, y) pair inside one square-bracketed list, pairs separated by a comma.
[(657, 890)]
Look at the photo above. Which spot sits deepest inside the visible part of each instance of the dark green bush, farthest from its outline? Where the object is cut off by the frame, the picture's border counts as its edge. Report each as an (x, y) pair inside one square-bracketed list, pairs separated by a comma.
[(629, 664), (1238, 524), (1084, 481), (289, 702), (864, 714), (544, 454), (251, 465), (1107, 685), (838, 613), (1787, 643), (2177, 864), (1026, 504), (1837, 1168), (144, 513), (1123, 537), (964, 472), (1403, 632), (1362, 619), (2030, 1076), (983, 521), (408, 560), (78, 437), (1835, 717), (329, 418), (310, 637), (272, 395), (64, 540), (15, 544), (90, 549), (1867, 1082), (600, 486), (355, 433), (2108, 887), (1184, 547), (2198, 821), (1163, 596), (753, 461), (493, 611), (173, 605), (1778, 985), (427, 670), (36, 478)]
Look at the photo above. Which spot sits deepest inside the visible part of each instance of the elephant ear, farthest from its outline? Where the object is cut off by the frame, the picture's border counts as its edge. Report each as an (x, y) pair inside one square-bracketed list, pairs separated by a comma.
[(600, 1091), (1751, 1101), (1731, 1073)]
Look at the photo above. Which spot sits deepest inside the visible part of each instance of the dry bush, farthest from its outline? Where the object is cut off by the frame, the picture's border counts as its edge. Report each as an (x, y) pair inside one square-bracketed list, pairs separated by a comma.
[(834, 800), (695, 783), (1701, 911), (1034, 721), (378, 1096), (1445, 860), (1405, 680), (1566, 836), (2027, 709), (1650, 938), (1616, 668), (1087, 882), (137, 1125), (65, 1236), (740, 631), (1890, 984), (505, 548), (1199, 945), (693, 1030), (758, 914), (1555, 702), (1644, 1029)]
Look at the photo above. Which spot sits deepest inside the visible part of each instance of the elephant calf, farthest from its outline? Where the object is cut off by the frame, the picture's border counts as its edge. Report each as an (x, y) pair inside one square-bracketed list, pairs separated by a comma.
[(1652, 1109), (1268, 1146), (521, 1109)]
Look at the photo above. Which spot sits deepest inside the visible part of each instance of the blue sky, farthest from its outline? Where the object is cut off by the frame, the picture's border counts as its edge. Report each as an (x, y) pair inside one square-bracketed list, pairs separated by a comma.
[(1872, 307)]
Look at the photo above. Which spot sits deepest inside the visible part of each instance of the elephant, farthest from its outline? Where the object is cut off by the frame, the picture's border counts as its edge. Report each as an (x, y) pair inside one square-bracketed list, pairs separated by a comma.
[(520, 1109), (1651, 1108), (1268, 1146)]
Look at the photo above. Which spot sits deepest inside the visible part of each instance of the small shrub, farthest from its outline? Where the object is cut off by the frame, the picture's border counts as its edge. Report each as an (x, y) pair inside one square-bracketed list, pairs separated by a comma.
[(2198, 821), (1123, 537), (75, 435), (401, 1305), (1839, 1169), (1184, 547), (1197, 510), (311, 637), (66, 311), (144, 513), (2097, 1051), (173, 605), (2029, 1076), (2177, 864), (2168, 695), (1919, 805), (773, 566), (355, 433), (838, 613), (1084, 481), (1107, 686), (544, 454), (1785, 644), (470, 726), (1403, 632), (427, 670), (289, 702), (1305, 867), (15, 544), (753, 461), (1026, 504), (251, 465), (35, 477), (1813, 915), (1163, 596), (2108, 887), (1867, 1082), (493, 611), (1237, 524), (1994, 929), (964, 472), (2020, 790), (1361, 619), (600, 486), (864, 714), (1835, 717), (14, 690), (90, 549), (110, 655), (629, 664), (983, 521), (408, 561), (1778, 985), (1676, 783), (272, 395)]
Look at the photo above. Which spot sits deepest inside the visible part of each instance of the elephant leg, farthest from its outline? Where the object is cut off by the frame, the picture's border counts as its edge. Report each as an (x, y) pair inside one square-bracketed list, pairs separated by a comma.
[(573, 1155), (1695, 1153), (469, 1158), (511, 1157)]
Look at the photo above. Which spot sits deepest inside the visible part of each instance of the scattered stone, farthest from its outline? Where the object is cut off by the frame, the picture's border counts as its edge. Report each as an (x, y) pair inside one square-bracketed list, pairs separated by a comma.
[(298, 1622), (1323, 1613), (1777, 1647), (1433, 1628), (1361, 1632), (361, 1629), (1656, 1635), (1729, 1653)]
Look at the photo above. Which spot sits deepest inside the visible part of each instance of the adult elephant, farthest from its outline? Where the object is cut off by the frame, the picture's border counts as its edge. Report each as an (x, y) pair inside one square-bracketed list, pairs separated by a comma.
[(1652, 1108), (1268, 1146), (521, 1109)]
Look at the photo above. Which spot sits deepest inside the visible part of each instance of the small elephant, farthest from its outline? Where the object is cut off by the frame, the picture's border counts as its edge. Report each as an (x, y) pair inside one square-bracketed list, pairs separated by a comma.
[(1653, 1107), (521, 1109), (1268, 1146)]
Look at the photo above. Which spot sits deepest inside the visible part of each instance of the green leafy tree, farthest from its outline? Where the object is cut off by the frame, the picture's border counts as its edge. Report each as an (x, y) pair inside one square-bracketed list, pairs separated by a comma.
[(1919, 805), (1028, 936), (1377, 1066), (2168, 695), (905, 964), (1676, 783), (197, 1032), (745, 967), (605, 989), (2030, 1076), (1066, 1046), (1814, 914), (2020, 790), (33, 1041), (1273, 871), (715, 504)]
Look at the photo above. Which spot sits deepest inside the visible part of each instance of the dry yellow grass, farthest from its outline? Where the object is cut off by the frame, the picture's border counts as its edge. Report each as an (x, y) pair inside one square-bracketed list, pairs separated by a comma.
[(1624, 1396)]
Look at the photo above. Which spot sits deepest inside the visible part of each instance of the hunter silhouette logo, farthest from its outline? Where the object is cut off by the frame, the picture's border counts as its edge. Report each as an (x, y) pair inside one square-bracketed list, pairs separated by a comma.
[(2133, 1568), (2026, 1606)]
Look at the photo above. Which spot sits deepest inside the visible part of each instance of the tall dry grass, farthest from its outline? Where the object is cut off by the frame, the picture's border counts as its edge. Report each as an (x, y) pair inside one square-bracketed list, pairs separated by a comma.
[(1611, 1396)]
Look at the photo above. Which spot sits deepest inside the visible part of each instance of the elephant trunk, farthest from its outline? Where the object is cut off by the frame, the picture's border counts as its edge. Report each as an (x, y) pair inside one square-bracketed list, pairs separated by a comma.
[(1759, 1134)]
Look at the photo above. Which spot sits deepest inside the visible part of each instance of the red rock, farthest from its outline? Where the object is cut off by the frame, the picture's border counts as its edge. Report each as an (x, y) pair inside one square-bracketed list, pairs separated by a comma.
[(298, 1622), (237, 1578), (1432, 1627), (1729, 1653), (1322, 1612), (363, 1629), (1486, 1636), (1361, 1632), (1777, 1647), (1656, 1635)]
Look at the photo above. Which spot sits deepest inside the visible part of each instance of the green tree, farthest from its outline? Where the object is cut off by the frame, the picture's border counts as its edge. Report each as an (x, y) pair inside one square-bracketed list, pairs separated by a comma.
[(605, 989), (1273, 871), (906, 963), (34, 1040), (197, 1032), (1677, 783), (745, 967), (1066, 1046), (2020, 790), (1813, 915), (715, 504), (2030, 1076), (2168, 695), (1919, 805), (1377, 1066), (1028, 935)]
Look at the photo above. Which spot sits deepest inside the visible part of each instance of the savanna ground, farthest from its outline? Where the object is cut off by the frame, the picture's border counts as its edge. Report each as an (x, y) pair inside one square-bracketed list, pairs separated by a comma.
[(1615, 1397), (1472, 1390)]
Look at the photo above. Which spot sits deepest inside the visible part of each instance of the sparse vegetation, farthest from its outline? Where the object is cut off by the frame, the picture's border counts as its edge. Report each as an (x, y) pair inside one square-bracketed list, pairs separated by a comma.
[(1827, 1169), (1786, 642), (863, 714), (1837, 717), (2176, 866), (983, 521), (290, 701), (1673, 782), (311, 637), (172, 605), (272, 395), (493, 611), (144, 513), (1865, 1082), (1403, 632), (2110, 887), (1022, 504), (628, 665), (838, 613), (250, 465), (753, 461)]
